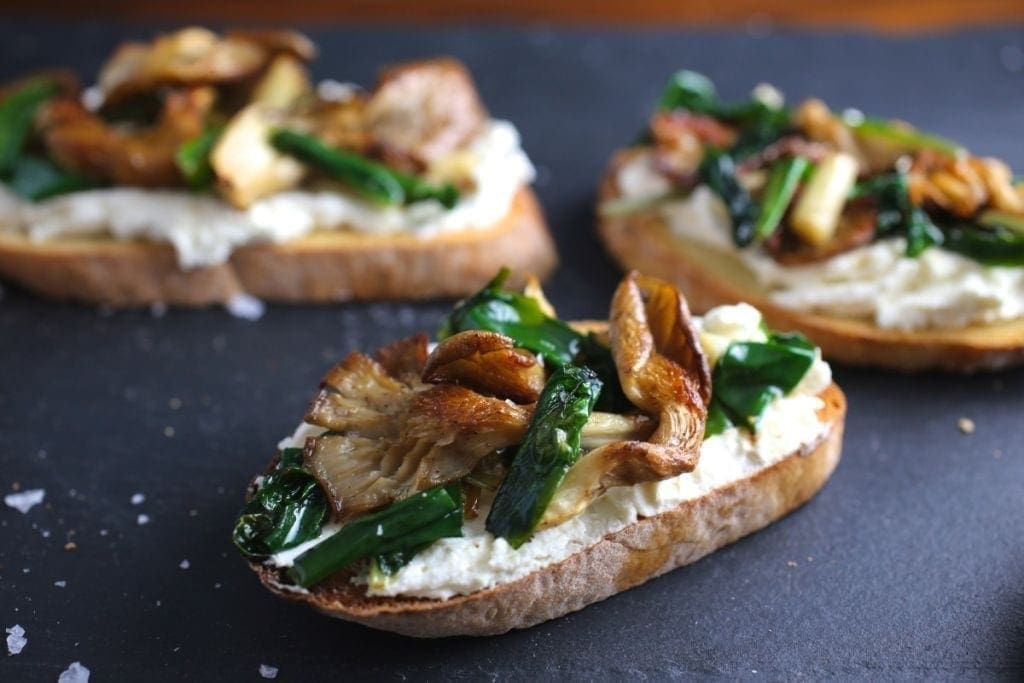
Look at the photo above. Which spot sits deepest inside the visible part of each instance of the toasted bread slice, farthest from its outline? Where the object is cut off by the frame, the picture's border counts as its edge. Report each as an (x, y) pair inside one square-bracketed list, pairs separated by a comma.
[(623, 559), (319, 268), (710, 277)]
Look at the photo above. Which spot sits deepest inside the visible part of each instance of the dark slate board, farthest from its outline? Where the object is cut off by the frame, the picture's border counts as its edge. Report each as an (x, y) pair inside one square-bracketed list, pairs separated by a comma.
[(908, 564)]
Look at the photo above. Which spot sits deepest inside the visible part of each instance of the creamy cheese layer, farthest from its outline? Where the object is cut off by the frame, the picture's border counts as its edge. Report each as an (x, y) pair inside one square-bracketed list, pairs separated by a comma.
[(478, 560), (937, 290), (205, 230)]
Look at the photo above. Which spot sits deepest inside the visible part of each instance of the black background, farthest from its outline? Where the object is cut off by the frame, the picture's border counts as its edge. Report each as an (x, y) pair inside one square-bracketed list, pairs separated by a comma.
[(909, 562)]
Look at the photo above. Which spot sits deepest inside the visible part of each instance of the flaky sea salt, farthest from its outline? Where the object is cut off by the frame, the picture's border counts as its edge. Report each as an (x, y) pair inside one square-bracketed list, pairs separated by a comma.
[(142, 519), (60, 584), (185, 564), (245, 306), (138, 498), (268, 671), (23, 501), (16, 640), (76, 673)]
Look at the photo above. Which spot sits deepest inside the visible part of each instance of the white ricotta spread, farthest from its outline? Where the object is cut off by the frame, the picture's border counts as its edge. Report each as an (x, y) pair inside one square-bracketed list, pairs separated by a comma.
[(937, 290), (478, 560), (205, 230)]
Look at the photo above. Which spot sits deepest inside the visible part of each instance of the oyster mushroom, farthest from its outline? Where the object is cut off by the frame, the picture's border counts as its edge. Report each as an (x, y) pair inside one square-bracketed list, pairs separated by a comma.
[(486, 362), (441, 434), (664, 372), (81, 141), (421, 111), (196, 56), (392, 436), (276, 41)]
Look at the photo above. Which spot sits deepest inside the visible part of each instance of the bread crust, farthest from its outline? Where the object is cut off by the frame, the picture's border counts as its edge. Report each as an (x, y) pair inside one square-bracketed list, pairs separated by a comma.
[(323, 267), (623, 559), (710, 277)]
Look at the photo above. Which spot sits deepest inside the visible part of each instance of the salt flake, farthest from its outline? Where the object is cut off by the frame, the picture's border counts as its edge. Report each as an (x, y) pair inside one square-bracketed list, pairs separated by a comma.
[(138, 498), (185, 564), (16, 640), (24, 501), (268, 671), (142, 519), (76, 673)]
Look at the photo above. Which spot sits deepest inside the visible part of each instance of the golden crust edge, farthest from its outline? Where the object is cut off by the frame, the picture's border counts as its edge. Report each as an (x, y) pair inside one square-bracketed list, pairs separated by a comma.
[(644, 242), (643, 550), (320, 268)]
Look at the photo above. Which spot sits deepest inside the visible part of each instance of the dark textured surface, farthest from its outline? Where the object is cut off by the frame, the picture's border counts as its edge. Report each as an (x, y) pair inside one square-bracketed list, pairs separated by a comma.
[(910, 562)]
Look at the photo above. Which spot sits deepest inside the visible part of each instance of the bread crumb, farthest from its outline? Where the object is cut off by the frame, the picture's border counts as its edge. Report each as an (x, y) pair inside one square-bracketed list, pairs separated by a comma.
[(792, 563), (268, 671), (965, 425), (70, 545)]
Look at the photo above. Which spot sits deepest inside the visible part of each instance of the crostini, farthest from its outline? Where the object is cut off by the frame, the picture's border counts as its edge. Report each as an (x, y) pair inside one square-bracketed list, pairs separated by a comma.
[(885, 245), (522, 468), (205, 166)]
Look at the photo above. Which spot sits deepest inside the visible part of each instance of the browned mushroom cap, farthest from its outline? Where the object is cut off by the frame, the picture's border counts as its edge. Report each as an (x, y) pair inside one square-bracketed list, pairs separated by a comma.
[(191, 56), (856, 228), (83, 142), (405, 358), (424, 110), (195, 56), (681, 137), (359, 396), (391, 438), (343, 123), (440, 436), (276, 41), (488, 363), (664, 372)]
